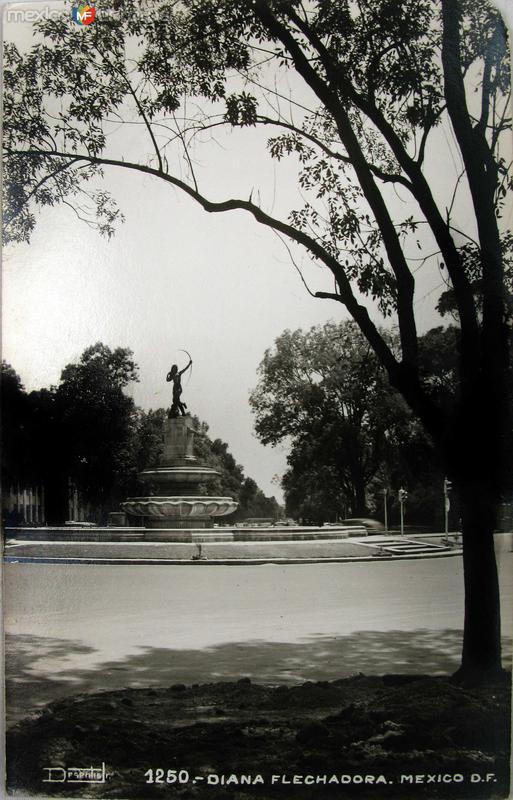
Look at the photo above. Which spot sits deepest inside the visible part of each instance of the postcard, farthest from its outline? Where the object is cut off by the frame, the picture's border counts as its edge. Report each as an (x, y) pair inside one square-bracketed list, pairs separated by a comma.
[(257, 429)]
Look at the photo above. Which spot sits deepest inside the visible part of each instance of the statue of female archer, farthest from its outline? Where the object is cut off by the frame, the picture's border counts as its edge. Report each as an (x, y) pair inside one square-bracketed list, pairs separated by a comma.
[(175, 375)]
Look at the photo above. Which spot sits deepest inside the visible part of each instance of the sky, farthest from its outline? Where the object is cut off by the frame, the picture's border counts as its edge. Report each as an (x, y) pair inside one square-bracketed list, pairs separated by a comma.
[(173, 277)]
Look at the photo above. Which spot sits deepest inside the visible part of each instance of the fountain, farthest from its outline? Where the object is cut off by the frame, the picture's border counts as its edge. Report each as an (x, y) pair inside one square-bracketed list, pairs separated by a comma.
[(177, 510), (176, 502)]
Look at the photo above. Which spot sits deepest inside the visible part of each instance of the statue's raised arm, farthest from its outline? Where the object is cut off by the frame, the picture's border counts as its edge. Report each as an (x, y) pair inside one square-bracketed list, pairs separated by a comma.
[(175, 376), (186, 368)]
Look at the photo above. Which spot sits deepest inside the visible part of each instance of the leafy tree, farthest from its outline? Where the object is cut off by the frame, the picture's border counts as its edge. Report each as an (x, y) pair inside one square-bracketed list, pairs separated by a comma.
[(254, 503), (14, 413), (369, 86), (149, 438), (312, 490), (98, 423), (326, 392), (32, 443), (231, 480), (48, 451)]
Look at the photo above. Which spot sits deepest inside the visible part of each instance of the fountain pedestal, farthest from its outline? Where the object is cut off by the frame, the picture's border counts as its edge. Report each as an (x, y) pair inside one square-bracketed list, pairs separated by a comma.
[(174, 500)]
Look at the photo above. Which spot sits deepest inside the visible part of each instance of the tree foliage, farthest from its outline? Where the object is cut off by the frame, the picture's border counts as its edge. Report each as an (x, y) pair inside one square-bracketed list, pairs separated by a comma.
[(325, 391), (98, 420), (326, 395), (84, 430), (374, 82), (232, 481), (14, 414)]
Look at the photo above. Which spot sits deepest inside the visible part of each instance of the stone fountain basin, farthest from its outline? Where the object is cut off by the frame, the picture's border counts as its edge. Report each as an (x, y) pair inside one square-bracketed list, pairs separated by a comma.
[(179, 506), (188, 473)]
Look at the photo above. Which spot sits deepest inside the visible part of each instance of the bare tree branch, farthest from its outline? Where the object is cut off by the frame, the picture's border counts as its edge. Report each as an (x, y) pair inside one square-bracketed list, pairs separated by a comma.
[(405, 282)]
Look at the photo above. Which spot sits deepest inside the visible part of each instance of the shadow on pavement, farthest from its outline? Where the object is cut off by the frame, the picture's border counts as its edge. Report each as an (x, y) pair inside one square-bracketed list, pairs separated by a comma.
[(317, 658), (28, 688)]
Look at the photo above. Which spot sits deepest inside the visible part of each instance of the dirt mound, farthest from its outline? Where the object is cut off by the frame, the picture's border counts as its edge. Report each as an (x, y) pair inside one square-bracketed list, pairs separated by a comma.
[(361, 736)]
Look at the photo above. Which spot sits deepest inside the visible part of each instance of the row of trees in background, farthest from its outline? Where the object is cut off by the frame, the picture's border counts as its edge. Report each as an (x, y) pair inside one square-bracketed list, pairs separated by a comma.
[(89, 431), (323, 392), (350, 433)]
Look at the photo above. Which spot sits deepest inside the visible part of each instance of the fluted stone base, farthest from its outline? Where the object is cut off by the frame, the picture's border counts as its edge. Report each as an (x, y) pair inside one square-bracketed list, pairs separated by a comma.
[(179, 512)]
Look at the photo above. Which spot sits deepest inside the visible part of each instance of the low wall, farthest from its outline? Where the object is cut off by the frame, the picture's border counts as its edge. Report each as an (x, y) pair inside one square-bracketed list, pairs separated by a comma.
[(195, 535)]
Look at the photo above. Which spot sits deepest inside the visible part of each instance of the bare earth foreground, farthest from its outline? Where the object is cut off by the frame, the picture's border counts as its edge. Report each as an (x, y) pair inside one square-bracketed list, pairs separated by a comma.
[(357, 737)]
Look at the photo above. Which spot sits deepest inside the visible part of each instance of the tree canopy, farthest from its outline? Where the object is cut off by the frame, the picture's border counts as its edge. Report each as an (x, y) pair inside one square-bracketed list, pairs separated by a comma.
[(14, 413), (327, 393), (231, 480), (84, 430), (324, 392), (375, 82), (98, 420)]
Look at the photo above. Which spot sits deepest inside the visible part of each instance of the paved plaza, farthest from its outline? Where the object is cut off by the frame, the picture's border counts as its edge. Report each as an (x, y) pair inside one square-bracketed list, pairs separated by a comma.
[(82, 628)]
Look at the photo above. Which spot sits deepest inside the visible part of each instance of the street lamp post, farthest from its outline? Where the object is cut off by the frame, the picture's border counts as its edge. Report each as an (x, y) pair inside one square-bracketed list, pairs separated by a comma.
[(447, 506), (385, 493), (403, 494)]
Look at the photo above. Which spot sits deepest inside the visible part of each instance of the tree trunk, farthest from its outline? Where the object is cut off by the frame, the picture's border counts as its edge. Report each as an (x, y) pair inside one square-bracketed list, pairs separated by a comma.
[(481, 656), (357, 482), (360, 502)]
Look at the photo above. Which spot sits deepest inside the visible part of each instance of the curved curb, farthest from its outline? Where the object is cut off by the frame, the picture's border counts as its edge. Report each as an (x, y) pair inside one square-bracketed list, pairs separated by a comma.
[(227, 562)]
